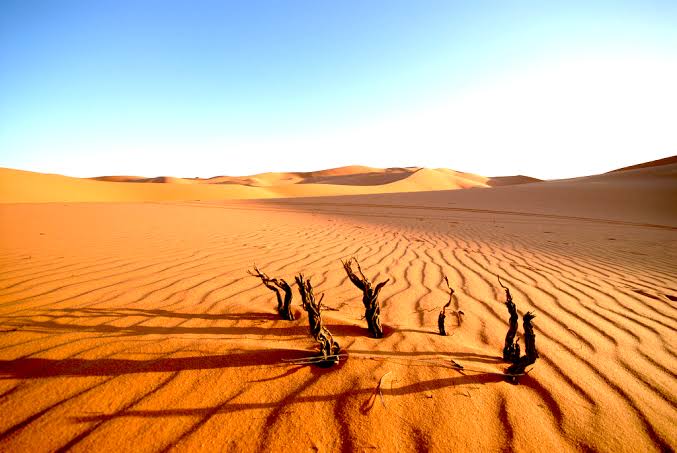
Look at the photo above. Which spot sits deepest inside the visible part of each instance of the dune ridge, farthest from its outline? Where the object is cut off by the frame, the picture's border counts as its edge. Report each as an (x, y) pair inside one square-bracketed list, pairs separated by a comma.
[(653, 163), (17, 186)]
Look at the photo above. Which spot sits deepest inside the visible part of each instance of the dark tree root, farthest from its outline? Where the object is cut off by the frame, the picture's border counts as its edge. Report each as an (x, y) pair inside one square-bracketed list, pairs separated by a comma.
[(518, 368), (372, 308), (329, 349), (277, 285), (511, 350)]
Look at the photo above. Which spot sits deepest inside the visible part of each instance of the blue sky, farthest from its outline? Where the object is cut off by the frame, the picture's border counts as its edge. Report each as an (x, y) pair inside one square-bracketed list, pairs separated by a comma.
[(203, 88)]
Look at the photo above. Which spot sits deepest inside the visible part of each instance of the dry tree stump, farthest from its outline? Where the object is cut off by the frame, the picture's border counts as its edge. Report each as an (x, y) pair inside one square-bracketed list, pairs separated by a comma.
[(440, 321), (511, 349), (372, 307), (531, 355), (329, 349), (276, 285)]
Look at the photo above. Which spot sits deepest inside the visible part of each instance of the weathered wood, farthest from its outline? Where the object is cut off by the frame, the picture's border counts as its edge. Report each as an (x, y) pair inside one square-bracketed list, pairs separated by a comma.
[(276, 285), (443, 312), (285, 309), (440, 323), (329, 349), (531, 355), (511, 349), (372, 307)]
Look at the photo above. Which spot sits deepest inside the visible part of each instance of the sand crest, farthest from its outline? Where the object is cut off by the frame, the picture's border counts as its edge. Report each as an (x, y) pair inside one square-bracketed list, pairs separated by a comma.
[(17, 186)]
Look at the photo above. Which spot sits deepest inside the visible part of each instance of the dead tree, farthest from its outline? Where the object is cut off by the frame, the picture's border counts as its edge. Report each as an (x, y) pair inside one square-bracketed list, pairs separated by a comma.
[(285, 310), (511, 350), (276, 285), (459, 313), (443, 312), (440, 321), (531, 355), (372, 308), (329, 349)]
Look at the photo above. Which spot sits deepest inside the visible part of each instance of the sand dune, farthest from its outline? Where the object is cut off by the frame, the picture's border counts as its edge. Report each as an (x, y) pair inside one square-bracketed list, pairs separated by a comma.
[(18, 186), (354, 175), (135, 327), (498, 181), (643, 196), (439, 179), (653, 163), (121, 178), (362, 176), (169, 180), (261, 180)]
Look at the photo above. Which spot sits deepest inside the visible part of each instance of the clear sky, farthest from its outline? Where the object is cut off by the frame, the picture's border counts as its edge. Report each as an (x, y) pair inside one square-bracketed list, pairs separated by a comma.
[(203, 88)]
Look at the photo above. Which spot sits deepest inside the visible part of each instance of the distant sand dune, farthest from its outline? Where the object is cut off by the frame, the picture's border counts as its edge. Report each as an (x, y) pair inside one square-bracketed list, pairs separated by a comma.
[(365, 177), (653, 163), (121, 178), (498, 181), (18, 186)]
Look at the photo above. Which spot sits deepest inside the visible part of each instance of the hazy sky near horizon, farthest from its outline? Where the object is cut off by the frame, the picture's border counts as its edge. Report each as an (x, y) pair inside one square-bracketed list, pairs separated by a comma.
[(204, 88)]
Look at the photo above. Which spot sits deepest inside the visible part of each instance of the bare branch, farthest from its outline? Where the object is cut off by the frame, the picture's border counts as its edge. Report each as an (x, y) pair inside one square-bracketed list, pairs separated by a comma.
[(277, 285), (359, 269), (369, 297), (329, 349)]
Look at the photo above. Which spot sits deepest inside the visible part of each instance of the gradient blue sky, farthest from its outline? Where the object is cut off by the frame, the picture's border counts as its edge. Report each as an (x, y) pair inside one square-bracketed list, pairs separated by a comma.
[(200, 88)]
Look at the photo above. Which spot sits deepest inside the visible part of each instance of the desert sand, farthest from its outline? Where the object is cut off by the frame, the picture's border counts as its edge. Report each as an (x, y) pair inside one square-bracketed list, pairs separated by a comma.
[(129, 322)]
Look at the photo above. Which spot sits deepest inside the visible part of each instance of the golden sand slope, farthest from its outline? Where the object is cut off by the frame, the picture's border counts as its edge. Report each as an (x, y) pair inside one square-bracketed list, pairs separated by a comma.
[(18, 186), (134, 327), (653, 163)]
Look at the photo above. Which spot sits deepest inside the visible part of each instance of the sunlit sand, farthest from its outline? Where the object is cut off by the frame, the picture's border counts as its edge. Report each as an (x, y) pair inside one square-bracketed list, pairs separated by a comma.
[(130, 323)]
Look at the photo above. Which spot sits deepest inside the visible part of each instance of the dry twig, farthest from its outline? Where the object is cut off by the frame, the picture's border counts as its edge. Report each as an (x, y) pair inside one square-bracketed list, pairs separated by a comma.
[(378, 387)]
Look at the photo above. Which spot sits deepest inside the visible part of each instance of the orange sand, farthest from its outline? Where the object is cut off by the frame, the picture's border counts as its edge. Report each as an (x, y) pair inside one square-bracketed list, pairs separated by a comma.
[(135, 327)]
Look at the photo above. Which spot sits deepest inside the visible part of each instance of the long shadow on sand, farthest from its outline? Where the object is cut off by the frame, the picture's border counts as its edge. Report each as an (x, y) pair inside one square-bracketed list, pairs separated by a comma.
[(35, 368), (140, 330), (61, 320), (55, 322), (42, 368), (126, 312), (470, 356), (417, 387)]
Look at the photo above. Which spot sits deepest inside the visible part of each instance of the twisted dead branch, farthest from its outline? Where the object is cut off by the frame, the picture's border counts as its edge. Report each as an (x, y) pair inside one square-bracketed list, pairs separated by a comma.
[(443, 313), (531, 355), (372, 308), (329, 349), (276, 285), (511, 349)]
